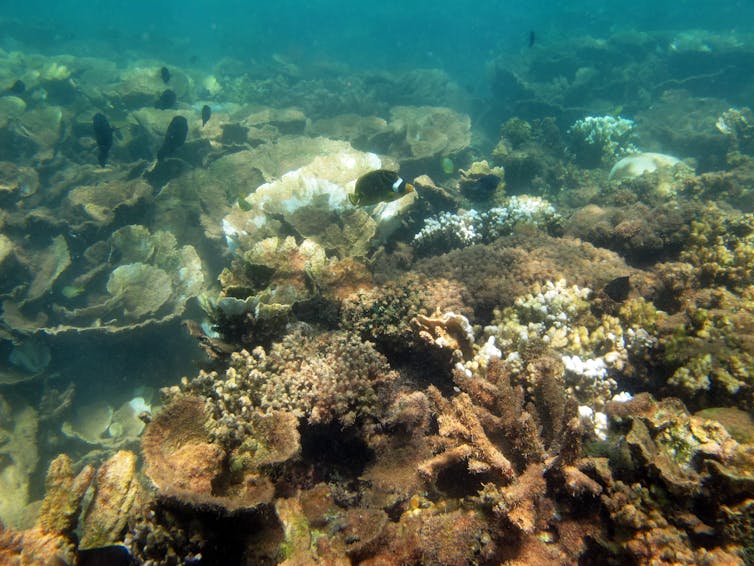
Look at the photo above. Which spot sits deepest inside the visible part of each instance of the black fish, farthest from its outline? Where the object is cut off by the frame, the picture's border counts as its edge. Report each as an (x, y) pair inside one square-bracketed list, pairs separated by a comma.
[(174, 137), (618, 289), (532, 38), (167, 100), (103, 134), (165, 74), (381, 185), (206, 114), (18, 87)]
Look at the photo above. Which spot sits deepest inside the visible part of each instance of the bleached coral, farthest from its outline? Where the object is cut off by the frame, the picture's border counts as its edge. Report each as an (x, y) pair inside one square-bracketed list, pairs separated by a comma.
[(602, 138), (447, 230), (313, 200), (557, 317)]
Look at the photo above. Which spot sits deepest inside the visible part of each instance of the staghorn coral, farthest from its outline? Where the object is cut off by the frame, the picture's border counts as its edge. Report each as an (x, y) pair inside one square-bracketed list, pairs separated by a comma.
[(471, 444), (496, 427)]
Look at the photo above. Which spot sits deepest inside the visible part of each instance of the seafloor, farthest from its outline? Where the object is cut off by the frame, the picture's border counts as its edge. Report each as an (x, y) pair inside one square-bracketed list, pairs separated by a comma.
[(542, 355)]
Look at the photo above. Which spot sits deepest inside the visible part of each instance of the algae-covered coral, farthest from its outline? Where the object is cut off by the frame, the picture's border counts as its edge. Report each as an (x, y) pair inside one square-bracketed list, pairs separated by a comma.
[(541, 355)]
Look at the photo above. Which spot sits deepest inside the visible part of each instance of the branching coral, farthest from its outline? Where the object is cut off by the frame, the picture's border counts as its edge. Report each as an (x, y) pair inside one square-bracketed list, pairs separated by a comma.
[(385, 314), (448, 231), (494, 427), (333, 377), (602, 139), (557, 318), (721, 246), (708, 347)]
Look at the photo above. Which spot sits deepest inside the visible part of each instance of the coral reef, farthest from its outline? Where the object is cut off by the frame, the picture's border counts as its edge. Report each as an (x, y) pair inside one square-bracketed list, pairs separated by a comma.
[(557, 318), (494, 274), (428, 131), (332, 377), (313, 201), (493, 369), (601, 140), (189, 463), (448, 231), (385, 314)]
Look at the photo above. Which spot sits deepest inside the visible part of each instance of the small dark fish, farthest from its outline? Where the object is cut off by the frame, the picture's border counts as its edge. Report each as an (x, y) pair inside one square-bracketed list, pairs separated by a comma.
[(532, 38), (114, 555), (206, 114), (103, 135), (165, 74), (244, 204), (378, 186), (175, 137), (618, 289), (18, 87), (167, 100)]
